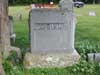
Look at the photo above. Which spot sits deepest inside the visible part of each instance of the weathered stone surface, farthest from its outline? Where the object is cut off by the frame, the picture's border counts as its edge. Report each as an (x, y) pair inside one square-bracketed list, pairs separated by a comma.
[(50, 60), (94, 57), (11, 48), (11, 25), (66, 4), (52, 30), (52, 37), (91, 57), (97, 57)]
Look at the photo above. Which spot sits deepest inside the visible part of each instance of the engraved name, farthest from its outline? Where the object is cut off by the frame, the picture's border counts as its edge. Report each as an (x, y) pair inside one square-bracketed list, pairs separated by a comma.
[(49, 26)]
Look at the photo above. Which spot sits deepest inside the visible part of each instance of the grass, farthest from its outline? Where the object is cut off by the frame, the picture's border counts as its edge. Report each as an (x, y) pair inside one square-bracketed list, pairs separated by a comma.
[(88, 26), (87, 39)]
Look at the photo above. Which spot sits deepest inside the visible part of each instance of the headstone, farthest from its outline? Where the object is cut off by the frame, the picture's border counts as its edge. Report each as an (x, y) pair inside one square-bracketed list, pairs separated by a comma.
[(91, 57), (19, 16), (66, 4), (94, 57), (52, 37), (92, 13), (11, 25)]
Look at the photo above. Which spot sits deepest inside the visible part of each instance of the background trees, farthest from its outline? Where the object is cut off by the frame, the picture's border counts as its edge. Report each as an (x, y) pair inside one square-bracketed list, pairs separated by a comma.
[(17, 2)]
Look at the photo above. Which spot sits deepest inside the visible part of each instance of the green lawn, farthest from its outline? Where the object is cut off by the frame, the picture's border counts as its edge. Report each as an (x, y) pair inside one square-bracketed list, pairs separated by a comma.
[(87, 39), (87, 26)]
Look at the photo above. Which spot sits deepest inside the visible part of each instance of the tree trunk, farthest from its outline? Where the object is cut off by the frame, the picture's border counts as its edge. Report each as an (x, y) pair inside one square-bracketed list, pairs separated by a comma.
[(4, 31)]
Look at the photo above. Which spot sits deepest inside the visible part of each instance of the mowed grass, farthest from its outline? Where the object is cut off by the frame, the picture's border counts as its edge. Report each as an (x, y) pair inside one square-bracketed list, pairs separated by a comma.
[(87, 39), (88, 27)]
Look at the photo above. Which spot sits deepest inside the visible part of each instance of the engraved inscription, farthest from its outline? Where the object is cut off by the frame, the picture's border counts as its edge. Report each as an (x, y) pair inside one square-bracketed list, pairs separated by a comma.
[(49, 26)]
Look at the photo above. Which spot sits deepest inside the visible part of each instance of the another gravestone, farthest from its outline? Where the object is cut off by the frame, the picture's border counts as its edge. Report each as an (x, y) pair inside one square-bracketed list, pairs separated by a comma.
[(19, 16), (11, 25), (92, 13), (94, 57), (52, 37)]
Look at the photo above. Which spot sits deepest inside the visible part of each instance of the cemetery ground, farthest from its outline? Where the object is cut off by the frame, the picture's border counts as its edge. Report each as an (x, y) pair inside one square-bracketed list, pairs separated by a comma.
[(87, 40)]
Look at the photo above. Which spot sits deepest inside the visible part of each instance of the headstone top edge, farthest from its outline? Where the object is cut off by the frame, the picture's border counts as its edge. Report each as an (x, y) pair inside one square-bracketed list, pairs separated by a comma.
[(66, 4), (46, 10)]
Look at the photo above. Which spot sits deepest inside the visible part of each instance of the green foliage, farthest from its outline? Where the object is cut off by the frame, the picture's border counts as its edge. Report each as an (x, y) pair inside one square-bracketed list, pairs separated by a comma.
[(81, 68), (13, 58), (6, 66), (86, 68), (86, 46)]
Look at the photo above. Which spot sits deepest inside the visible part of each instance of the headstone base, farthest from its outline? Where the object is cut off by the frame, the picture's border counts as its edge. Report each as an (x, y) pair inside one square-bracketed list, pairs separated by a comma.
[(50, 60), (11, 48)]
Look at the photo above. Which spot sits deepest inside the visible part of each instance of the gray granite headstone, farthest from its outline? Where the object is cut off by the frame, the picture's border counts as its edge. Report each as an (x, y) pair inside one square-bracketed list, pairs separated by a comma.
[(11, 25), (51, 30), (94, 57), (52, 36), (11, 30)]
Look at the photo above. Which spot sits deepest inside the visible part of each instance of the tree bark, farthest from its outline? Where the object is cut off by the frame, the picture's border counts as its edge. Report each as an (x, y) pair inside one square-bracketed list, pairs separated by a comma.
[(4, 31)]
